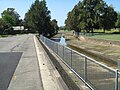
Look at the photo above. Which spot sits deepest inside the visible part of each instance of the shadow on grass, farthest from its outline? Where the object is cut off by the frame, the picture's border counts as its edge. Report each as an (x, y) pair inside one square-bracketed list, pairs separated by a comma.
[(116, 33)]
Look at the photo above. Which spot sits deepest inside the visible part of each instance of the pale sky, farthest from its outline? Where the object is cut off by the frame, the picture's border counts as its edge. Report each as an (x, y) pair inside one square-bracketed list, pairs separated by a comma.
[(58, 8)]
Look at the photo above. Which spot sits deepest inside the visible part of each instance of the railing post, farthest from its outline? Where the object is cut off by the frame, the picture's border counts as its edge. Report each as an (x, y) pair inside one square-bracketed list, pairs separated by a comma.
[(116, 80), (45, 41), (71, 58), (85, 69), (57, 48), (63, 52)]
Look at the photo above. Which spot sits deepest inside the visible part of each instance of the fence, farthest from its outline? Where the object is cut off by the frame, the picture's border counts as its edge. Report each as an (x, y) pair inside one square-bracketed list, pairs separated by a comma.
[(94, 74)]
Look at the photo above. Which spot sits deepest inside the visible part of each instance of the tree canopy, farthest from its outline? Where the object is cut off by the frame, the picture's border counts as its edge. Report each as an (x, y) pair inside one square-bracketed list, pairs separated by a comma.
[(8, 19), (118, 21), (91, 14), (38, 19)]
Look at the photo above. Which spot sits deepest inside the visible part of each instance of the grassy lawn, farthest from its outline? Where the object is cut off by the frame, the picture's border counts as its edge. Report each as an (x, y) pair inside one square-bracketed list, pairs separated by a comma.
[(107, 31), (113, 34), (108, 36), (2, 36)]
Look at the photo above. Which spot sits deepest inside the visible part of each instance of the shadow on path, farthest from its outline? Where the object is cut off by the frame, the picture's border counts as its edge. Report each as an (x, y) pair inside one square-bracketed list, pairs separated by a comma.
[(8, 64)]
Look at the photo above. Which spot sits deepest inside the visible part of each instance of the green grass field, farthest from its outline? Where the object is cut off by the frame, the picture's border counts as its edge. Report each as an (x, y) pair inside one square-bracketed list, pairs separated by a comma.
[(2, 36), (113, 34), (108, 36), (107, 31)]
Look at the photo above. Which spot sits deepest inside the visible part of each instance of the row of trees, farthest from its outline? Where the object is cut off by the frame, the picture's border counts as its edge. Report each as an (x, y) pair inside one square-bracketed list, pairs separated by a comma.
[(8, 19), (92, 14), (38, 19)]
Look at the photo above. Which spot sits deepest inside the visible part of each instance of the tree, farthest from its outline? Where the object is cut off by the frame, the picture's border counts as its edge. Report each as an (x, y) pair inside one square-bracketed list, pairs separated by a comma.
[(54, 26), (109, 18), (90, 15), (69, 21), (2, 25), (72, 20), (62, 28), (118, 22), (10, 16), (38, 18)]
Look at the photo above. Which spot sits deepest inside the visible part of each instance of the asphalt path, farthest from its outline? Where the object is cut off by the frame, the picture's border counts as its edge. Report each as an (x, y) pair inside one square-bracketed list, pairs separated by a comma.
[(8, 63), (18, 64)]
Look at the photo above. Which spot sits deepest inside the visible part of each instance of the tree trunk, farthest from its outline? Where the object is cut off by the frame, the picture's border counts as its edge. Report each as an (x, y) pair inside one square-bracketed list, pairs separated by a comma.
[(104, 30), (79, 29), (92, 30)]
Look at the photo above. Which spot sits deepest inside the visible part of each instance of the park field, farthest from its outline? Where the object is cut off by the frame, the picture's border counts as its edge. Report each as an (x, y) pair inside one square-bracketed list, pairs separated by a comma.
[(114, 37), (108, 35), (113, 34), (2, 36)]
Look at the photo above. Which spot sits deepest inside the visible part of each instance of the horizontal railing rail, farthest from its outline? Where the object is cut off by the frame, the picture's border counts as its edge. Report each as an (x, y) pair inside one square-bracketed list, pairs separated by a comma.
[(94, 74)]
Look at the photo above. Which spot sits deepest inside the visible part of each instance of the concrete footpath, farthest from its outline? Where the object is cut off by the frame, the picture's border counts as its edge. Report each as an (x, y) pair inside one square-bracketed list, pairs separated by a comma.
[(51, 79), (35, 71), (27, 73)]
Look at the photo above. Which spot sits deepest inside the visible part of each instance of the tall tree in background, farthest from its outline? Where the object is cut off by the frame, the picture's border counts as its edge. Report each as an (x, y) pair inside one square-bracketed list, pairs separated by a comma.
[(118, 22), (109, 18), (91, 14), (74, 17), (9, 18), (2, 25), (69, 21), (54, 26), (38, 18)]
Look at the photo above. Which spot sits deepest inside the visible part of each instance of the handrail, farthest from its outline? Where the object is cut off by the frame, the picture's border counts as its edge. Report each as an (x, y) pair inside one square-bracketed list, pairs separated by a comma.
[(108, 69)]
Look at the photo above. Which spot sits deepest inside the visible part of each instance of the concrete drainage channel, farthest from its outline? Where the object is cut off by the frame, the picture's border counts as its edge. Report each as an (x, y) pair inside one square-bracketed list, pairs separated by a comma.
[(70, 79)]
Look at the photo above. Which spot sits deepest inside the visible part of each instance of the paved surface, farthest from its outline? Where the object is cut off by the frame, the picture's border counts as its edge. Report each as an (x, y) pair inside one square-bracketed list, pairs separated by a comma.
[(7, 67), (19, 68)]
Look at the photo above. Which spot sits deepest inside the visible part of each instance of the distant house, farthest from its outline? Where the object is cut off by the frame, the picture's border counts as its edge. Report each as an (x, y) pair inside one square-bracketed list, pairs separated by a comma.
[(16, 28)]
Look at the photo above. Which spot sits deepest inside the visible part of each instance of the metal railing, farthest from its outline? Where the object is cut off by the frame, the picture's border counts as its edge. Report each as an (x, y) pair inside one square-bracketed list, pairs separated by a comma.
[(93, 73)]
